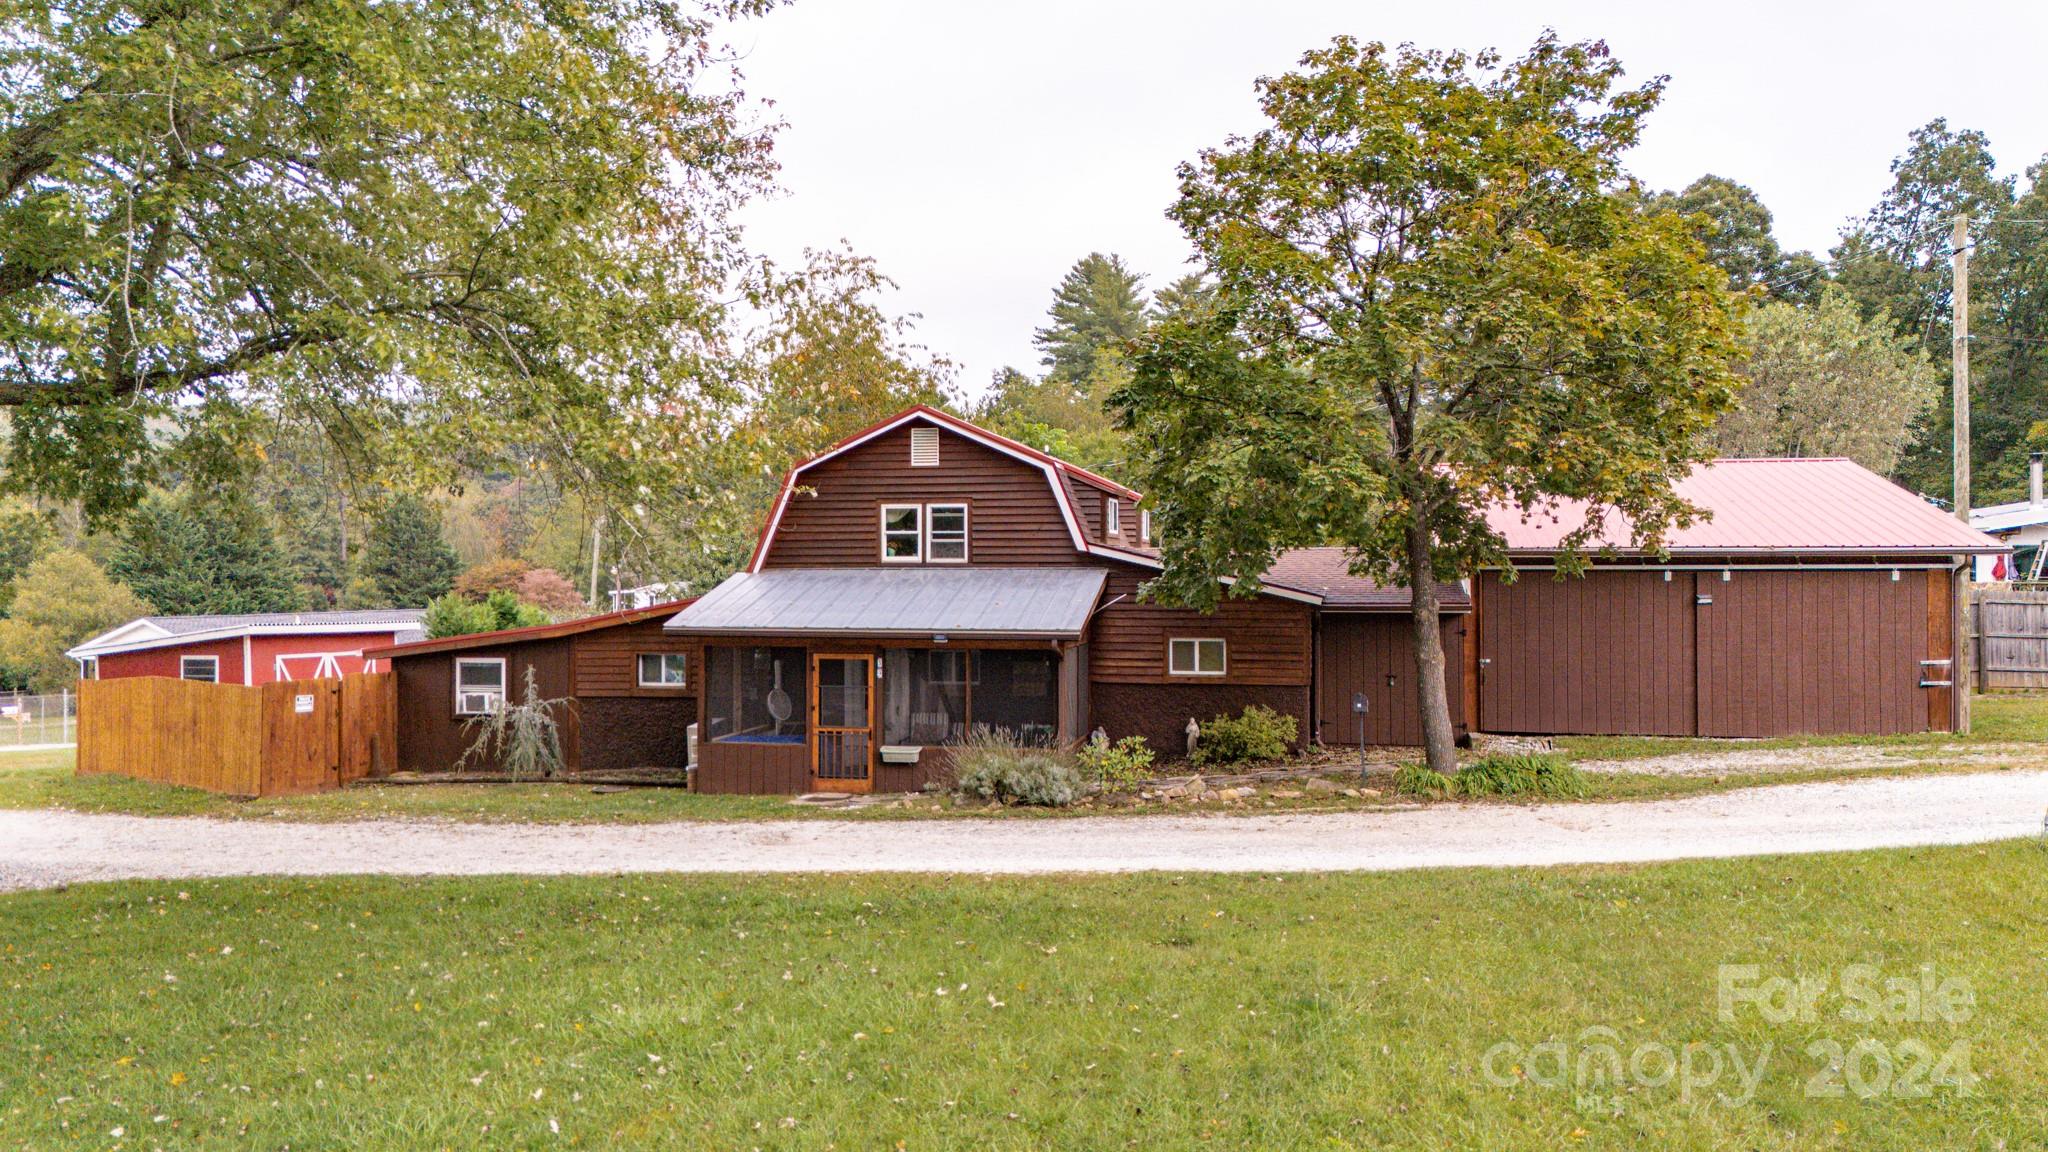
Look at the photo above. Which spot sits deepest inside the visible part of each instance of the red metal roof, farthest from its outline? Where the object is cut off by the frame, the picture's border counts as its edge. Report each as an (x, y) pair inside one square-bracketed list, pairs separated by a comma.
[(1327, 572), (1766, 506), (532, 632)]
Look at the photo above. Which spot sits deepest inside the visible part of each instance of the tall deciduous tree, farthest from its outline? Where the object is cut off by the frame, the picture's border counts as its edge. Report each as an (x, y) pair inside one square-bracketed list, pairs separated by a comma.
[(61, 599), (1098, 306), (465, 224), (1432, 302), (1736, 228), (1820, 380), (199, 555), (408, 562)]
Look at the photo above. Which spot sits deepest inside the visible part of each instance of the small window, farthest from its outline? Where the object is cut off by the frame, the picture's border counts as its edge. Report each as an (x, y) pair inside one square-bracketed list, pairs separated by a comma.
[(902, 534), (1144, 525), (1195, 657), (1113, 517), (661, 670), (479, 687), (205, 668), (924, 447), (89, 668), (946, 542)]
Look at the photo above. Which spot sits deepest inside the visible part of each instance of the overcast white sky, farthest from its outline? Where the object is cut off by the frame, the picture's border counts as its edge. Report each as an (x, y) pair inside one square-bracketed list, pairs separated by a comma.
[(976, 149)]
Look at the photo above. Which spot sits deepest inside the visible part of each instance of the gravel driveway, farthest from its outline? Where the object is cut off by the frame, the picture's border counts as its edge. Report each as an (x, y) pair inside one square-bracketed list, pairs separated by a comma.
[(41, 849)]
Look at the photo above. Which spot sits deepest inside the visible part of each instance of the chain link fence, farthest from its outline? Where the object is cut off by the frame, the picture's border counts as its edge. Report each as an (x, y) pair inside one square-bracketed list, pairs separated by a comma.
[(38, 721)]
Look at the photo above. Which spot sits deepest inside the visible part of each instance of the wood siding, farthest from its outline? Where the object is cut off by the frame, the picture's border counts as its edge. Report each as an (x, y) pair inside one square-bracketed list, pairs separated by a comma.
[(1358, 652), (1763, 653), (834, 518), (1610, 652), (1788, 653), (1266, 639), (753, 769), (606, 662), (432, 738)]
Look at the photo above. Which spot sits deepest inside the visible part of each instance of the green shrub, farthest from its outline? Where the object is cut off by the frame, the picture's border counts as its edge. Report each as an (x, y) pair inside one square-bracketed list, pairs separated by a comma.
[(451, 615), (1522, 774), (1258, 733), (524, 739), (1127, 761), (994, 766), (1419, 780)]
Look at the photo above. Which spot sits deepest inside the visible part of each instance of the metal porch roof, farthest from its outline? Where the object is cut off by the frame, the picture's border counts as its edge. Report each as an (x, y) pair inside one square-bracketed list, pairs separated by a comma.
[(989, 602)]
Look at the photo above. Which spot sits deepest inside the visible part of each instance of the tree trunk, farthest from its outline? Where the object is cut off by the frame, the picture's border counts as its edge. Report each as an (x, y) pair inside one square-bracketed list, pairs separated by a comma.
[(1439, 741)]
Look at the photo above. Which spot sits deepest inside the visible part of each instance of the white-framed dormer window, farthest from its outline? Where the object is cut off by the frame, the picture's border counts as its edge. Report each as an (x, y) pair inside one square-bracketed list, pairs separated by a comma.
[(1144, 526), (945, 533), (924, 447), (479, 685), (1202, 656), (1113, 517), (206, 668), (902, 533), (662, 670)]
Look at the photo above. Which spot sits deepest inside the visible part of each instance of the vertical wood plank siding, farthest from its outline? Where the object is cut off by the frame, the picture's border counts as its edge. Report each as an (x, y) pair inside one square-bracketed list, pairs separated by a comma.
[(1784, 653), (1764, 653), (432, 738), (753, 769), (1611, 652), (834, 518), (1359, 651)]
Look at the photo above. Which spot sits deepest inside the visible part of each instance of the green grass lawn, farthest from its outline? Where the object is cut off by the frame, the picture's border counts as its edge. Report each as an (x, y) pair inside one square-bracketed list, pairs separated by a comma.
[(1346, 1011), (2006, 718)]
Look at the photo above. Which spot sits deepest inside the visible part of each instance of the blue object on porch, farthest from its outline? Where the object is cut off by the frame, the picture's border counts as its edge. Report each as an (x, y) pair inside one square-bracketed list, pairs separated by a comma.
[(762, 738)]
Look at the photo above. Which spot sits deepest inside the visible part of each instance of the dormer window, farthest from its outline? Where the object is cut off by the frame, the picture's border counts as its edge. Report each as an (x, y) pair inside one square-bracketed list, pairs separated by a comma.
[(924, 447), (902, 533), (1113, 517)]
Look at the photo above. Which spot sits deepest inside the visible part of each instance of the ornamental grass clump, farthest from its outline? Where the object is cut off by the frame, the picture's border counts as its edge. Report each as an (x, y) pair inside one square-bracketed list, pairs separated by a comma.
[(995, 766), (1522, 774)]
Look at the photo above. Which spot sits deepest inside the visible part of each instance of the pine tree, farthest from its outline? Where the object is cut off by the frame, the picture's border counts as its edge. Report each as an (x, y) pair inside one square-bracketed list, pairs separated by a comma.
[(203, 555), (408, 562), (1099, 305)]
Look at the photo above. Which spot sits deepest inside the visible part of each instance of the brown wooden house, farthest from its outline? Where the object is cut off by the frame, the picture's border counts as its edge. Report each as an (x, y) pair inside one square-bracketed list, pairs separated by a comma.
[(631, 683), (926, 579)]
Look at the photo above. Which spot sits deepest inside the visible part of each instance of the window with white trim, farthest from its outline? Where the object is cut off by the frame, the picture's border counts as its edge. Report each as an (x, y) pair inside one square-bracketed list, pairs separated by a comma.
[(205, 668), (1112, 517), (89, 668), (662, 670), (945, 533), (479, 686), (1144, 526), (924, 447), (902, 533), (1202, 656)]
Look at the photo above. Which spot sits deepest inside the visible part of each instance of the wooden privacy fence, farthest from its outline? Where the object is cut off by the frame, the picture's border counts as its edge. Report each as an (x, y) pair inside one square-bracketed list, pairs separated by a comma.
[(2012, 639), (268, 740)]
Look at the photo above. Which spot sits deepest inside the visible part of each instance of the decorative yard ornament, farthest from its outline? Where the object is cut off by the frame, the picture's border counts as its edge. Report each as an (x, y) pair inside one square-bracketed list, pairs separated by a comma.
[(1194, 736)]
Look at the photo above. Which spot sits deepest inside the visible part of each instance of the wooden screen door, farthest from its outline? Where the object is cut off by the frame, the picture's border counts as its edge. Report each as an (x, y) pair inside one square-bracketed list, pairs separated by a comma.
[(842, 723)]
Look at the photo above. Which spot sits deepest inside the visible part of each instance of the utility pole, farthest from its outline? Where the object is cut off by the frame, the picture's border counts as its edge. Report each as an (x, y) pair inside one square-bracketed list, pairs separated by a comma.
[(1959, 302), (596, 550), (1961, 672)]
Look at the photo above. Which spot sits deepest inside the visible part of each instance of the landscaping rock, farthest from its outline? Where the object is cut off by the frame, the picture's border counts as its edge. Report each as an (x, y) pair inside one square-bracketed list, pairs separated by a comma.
[(1318, 784), (1287, 794)]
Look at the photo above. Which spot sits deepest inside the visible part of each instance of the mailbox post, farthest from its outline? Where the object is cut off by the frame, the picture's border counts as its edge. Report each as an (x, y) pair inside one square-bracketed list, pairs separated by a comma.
[(1358, 708)]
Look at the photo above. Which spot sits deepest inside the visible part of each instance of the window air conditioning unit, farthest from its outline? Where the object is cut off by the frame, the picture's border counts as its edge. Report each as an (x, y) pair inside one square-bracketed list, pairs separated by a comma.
[(477, 703)]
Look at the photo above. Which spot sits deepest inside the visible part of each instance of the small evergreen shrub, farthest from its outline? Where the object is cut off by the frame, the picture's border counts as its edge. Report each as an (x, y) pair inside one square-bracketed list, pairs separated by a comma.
[(1125, 762), (1258, 733), (994, 766), (525, 739), (1420, 780), (1523, 774)]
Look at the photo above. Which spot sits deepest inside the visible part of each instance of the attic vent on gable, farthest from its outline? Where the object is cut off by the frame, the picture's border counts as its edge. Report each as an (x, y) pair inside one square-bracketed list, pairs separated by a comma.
[(924, 447)]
